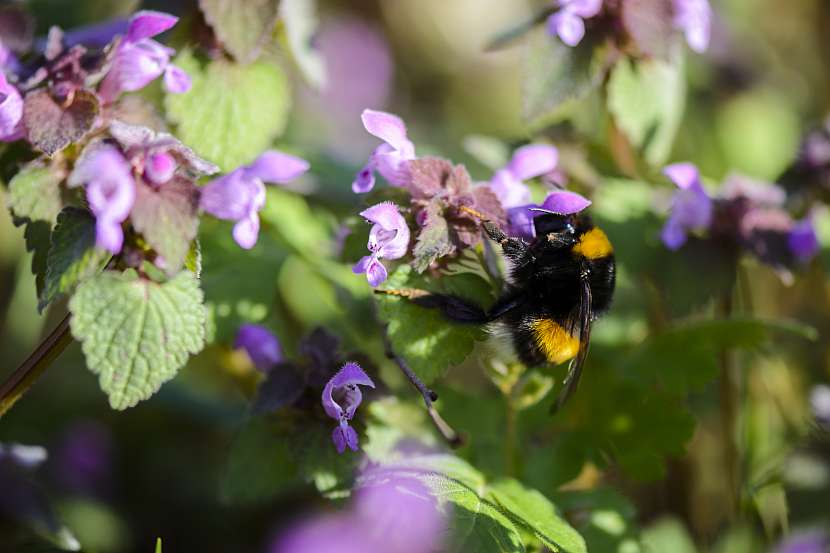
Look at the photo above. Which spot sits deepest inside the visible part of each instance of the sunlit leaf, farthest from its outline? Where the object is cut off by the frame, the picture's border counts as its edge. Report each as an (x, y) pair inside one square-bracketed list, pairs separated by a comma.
[(242, 26), (34, 193)]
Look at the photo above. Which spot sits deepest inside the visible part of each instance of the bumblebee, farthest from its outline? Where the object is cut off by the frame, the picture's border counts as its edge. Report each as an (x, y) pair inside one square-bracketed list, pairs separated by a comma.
[(558, 284)]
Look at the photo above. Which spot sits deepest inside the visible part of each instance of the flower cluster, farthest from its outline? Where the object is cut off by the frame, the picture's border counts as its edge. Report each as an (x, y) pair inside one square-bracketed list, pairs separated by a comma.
[(747, 213), (444, 200), (693, 18)]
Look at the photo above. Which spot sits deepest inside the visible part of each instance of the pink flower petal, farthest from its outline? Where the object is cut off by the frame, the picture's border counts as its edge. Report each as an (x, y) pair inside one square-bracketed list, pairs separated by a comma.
[(568, 26), (275, 166), (176, 80), (11, 109), (565, 202), (683, 175), (388, 127), (533, 160), (246, 231), (148, 23)]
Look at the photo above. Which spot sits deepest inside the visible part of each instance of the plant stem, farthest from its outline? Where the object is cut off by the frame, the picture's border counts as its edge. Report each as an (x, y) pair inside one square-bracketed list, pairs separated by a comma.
[(729, 399), (19, 382), (510, 437)]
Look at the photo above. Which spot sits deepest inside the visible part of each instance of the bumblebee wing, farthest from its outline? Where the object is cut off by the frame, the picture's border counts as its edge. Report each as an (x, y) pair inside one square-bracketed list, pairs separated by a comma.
[(581, 323)]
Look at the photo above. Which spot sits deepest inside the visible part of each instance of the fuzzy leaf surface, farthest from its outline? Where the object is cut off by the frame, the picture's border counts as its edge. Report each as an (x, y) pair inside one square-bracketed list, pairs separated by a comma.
[(52, 127), (72, 256), (34, 193), (232, 112), (136, 334), (243, 27), (167, 218)]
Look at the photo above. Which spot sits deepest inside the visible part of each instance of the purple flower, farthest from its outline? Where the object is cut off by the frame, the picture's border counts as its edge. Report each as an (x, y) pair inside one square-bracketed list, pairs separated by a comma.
[(528, 162), (260, 344), (803, 241), (820, 404), (389, 159), (560, 202), (691, 206), (392, 515), (110, 191), (138, 59), (341, 398), (239, 195), (159, 167), (84, 457), (389, 239), (694, 19), (568, 22), (815, 541), (11, 111)]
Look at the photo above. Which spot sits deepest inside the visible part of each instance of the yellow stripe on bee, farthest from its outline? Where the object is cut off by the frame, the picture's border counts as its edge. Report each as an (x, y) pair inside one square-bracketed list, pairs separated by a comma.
[(556, 343), (593, 245)]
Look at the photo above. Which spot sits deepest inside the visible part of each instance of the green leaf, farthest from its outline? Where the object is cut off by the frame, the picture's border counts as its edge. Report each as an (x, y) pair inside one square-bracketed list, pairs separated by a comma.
[(232, 112), (167, 218), (243, 27), (136, 334), (647, 99), (35, 193), (518, 30), (158, 545), (555, 73), (308, 231), (490, 152), (51, 126), (488, 516), (275, 455), (423, 337), (72, 256), (299, 26), (37, 236)]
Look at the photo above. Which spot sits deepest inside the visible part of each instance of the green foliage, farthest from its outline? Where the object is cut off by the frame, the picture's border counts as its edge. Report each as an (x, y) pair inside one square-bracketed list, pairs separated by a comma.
[(232, 112), (299, 26), (34, 193), (168, 220), (556, 74), (647, 99), (242, 27), (668, 534), (423, 337), (501, 516), (136, 334), (276, 455), (606, 520), (72, 256)]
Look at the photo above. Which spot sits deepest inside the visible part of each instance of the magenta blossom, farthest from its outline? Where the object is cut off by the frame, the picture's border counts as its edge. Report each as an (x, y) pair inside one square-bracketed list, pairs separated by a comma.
[(568, 23), (389, 239), (560, 202), (694, 19), (803, 241), (692, 207), (528, 162), (239, 195), (820, 404), (138, 59), (390, 158), (260, 344), (110, 191), (11, 111), (341, 398), (395, 514)]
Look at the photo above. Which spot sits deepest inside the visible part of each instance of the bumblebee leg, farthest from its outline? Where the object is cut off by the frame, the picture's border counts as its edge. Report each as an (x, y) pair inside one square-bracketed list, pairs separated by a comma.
[(513, 248)]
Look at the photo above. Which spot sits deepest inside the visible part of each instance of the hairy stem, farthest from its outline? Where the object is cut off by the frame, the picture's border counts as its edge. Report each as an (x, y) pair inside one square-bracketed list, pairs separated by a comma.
[(19, 382), (451, 436)]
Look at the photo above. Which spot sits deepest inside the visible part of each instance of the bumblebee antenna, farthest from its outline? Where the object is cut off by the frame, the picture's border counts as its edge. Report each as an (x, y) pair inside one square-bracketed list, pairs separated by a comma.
[(474, 213), (453, 438)]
